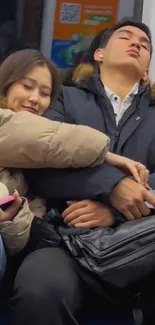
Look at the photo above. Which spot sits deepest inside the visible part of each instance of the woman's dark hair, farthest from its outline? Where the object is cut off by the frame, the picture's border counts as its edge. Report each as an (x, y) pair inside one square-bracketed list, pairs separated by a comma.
[(16, 65)]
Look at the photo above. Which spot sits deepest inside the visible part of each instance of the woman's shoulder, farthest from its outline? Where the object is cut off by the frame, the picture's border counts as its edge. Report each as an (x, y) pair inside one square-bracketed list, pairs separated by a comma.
[(5, 115)]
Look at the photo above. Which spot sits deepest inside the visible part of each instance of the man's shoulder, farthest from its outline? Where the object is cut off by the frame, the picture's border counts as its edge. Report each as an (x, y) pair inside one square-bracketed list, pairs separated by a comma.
[(72, 91), (74, 97)]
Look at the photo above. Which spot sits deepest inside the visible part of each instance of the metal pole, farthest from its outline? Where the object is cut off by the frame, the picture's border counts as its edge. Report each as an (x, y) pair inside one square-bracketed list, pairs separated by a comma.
[(47, 27)]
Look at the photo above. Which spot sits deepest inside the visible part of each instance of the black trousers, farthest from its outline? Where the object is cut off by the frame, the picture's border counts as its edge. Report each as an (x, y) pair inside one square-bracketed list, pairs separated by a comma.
[(47, 289)]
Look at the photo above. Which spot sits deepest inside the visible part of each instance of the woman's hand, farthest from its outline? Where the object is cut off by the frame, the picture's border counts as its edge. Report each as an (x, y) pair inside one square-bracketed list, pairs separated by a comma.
[(88, 213), (10, 213), (144, 175), (137, 170), (131, 167)]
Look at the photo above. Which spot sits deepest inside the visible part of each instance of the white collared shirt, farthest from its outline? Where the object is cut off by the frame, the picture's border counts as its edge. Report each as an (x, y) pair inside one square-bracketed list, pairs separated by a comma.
[(119, 108)]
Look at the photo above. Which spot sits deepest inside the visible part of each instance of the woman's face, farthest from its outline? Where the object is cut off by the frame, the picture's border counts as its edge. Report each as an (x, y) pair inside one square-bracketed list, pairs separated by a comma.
[(31, 93)]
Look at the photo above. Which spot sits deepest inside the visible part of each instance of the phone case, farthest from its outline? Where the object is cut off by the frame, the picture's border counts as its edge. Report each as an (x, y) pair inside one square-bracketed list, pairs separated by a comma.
[(6, 202)]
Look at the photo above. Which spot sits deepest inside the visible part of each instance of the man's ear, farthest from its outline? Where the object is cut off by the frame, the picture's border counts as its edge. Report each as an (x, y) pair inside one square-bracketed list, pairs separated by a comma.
[(99, 55), (145, 75)]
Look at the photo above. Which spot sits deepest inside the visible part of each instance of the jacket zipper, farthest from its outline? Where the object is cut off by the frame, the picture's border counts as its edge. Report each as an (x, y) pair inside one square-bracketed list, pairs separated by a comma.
[(116, 141)]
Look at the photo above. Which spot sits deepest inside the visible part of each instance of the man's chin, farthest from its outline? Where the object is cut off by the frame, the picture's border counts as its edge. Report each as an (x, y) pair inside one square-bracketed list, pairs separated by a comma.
[(131, 67)]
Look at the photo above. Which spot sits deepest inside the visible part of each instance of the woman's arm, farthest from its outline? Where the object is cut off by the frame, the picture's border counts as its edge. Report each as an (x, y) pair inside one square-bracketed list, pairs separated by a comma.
[(16, 232), (31, 141), (15, 223)]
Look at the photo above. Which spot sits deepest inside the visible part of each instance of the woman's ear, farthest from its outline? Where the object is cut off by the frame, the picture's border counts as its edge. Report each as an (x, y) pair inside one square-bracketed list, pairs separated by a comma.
[(98, 55)]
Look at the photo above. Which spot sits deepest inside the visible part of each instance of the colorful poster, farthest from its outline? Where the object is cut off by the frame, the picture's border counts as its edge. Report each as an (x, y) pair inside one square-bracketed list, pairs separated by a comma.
[(76, 23)]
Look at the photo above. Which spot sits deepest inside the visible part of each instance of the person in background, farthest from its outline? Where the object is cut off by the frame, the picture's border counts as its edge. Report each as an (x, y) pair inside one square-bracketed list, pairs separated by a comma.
[(67, 74), (85, 65)]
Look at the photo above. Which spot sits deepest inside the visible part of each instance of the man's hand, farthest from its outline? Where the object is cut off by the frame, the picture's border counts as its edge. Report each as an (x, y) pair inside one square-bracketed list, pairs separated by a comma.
[(88, 214), (129, 198)]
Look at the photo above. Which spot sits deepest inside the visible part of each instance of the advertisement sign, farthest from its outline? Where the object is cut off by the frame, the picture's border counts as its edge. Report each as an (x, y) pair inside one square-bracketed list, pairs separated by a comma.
[(76, 23)]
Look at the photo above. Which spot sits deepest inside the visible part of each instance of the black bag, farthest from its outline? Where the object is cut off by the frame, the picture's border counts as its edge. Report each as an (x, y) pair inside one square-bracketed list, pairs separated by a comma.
[(120, 257), (118, 260), (111, 260)]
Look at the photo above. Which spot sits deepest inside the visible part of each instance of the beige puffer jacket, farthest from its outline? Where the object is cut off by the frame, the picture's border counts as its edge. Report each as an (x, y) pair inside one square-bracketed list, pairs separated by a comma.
[(16, 233), (30, 141)]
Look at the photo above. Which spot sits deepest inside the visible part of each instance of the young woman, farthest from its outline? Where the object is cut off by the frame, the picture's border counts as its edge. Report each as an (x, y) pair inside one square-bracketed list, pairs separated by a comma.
[(29, 83)]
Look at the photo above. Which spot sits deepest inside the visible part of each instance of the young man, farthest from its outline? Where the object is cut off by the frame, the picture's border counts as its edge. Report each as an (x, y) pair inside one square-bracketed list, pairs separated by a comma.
[(47, 288)]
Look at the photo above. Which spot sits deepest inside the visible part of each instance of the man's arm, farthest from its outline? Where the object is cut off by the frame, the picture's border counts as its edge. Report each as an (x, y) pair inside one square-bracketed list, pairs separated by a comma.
[(84, 183), (103, 180), (74, 184)]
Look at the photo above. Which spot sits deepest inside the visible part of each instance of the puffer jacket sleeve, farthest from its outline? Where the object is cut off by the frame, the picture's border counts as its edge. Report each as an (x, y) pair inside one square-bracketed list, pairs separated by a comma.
[(16, 233), (30, 141)]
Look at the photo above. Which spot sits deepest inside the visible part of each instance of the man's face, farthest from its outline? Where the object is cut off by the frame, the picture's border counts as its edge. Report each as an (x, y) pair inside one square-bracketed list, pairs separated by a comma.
[(130, 47)]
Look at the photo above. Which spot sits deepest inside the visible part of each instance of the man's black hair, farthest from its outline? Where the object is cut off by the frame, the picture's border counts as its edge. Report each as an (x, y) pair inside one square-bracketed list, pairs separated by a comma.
[(106, 36)]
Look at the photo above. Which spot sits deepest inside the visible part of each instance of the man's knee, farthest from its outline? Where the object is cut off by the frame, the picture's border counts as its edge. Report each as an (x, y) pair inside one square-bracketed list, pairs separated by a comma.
[(37, 283), (45, 290)]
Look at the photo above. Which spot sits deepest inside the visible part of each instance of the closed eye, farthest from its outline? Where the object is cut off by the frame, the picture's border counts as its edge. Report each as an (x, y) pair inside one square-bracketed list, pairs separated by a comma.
[(45, 95), (124, 37), (27, 86), (145, 46)]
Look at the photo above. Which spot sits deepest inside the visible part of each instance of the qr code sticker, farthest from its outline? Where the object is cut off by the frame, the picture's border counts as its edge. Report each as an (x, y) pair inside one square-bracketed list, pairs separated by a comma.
[(70, 13)]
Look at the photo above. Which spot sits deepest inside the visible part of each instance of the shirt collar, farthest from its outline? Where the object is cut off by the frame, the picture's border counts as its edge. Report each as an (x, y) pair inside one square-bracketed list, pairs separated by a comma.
[(133, 92)]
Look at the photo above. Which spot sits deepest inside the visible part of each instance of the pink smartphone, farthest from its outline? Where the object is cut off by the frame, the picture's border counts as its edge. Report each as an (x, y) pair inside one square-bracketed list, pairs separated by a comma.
[(6, 202)]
